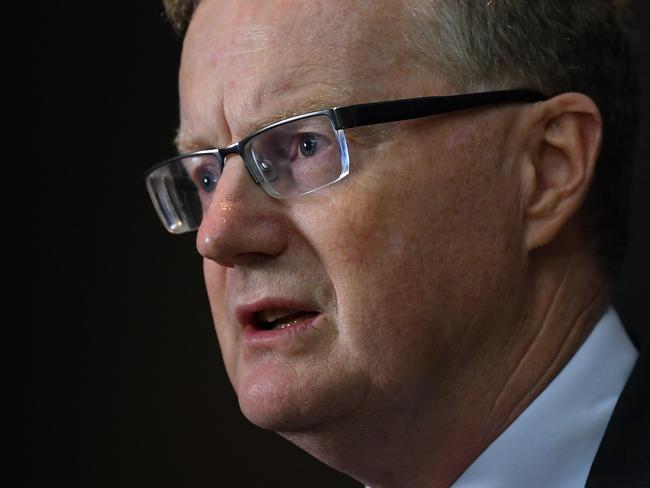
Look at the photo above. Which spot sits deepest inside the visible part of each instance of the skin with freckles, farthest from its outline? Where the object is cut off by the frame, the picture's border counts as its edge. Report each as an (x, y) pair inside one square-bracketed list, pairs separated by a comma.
[(437, 266)]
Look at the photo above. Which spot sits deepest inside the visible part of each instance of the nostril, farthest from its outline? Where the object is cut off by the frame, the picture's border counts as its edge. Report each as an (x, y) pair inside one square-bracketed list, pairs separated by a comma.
[(207, 247)]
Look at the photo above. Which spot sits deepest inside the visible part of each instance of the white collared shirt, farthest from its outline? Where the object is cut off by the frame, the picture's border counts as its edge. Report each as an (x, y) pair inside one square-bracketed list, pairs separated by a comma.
[(554, 441)]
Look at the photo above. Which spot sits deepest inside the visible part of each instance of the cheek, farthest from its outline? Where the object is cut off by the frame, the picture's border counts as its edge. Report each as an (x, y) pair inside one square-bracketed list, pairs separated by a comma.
[(215, 282), (416, 256)]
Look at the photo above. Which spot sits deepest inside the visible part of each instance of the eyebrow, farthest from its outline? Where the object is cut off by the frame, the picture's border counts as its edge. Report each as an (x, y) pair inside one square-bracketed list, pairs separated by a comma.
[(185, 143), (305, 106)]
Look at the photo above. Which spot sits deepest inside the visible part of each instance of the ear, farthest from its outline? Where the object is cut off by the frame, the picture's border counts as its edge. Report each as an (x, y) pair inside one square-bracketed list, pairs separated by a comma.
[(561, 156)]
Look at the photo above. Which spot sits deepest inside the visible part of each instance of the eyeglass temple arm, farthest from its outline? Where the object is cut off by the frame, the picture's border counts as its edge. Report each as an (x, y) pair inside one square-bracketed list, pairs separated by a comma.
[(413, 108)]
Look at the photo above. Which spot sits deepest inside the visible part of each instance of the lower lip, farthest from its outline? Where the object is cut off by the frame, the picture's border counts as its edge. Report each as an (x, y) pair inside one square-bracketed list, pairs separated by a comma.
[(265, 337)]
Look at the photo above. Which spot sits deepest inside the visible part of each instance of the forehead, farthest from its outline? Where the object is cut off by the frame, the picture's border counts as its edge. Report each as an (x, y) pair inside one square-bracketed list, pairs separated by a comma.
[(246, 63)]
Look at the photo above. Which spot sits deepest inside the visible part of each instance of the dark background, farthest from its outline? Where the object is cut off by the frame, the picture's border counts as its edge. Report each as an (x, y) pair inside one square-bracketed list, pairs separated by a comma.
[(115, 358)]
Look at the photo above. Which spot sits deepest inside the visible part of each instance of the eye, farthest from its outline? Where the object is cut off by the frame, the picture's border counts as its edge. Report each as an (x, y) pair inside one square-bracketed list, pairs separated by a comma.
[(308, 145), (207, 181), (203, 171)]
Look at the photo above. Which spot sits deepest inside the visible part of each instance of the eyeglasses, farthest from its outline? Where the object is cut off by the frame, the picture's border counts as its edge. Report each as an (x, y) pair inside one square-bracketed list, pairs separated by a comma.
[(295, 156)]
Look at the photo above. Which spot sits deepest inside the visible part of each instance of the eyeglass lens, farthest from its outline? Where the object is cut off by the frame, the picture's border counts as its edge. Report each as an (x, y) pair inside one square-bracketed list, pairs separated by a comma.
[(290, 159), (296, 157)]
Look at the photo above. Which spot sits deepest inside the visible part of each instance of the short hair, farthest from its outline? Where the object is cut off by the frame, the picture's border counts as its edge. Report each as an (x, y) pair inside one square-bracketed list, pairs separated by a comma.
[(552, 46), (179, 12)]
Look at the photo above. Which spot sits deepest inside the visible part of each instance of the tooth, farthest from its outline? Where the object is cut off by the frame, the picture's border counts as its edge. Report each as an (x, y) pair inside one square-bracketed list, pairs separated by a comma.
[(273, 314), (282, 325)]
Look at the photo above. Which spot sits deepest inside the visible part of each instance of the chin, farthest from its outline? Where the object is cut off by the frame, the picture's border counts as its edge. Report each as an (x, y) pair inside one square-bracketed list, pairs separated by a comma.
[(277, 416), (275, 397), (276, 404)]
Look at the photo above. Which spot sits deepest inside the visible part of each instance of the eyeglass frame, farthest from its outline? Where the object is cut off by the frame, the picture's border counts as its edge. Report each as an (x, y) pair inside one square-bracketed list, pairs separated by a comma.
[(366, 114)]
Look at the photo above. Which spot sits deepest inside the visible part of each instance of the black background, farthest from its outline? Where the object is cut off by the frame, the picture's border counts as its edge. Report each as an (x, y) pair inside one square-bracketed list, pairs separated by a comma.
[(114, 355)]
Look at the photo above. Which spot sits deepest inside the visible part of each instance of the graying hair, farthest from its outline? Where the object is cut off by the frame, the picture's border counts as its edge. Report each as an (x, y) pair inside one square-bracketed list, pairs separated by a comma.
[(552, 46), (544, 45)]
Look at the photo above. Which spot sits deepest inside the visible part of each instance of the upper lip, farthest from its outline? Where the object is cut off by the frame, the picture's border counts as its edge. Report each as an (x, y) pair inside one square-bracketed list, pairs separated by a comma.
[(247, 314)]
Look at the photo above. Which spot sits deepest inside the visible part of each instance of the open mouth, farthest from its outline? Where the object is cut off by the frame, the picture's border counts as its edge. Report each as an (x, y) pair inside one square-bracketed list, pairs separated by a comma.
[(280, 318)]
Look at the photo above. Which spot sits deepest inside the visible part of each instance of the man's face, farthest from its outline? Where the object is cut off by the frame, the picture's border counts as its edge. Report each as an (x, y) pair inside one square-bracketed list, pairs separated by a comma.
[(398, 283)]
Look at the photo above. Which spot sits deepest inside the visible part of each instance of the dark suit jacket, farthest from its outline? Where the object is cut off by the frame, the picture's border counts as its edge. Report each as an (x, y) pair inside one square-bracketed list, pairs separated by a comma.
[(623, 458)]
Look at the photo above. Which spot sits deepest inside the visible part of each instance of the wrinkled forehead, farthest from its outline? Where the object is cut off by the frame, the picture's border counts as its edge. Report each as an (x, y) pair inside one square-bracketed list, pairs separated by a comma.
[(234, 28), (254, 55), (245, 24)]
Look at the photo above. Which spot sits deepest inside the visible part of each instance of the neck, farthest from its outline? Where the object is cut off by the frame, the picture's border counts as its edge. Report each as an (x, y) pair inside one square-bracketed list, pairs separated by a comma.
[(567, 294)]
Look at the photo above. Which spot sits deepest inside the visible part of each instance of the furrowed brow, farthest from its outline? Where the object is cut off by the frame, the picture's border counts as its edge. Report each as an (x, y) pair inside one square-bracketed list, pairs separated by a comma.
[(302, 107), (299, 109), (186, 143)]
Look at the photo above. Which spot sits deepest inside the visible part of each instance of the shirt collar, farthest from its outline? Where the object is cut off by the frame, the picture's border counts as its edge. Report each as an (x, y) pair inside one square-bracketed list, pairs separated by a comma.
[(554, 441)]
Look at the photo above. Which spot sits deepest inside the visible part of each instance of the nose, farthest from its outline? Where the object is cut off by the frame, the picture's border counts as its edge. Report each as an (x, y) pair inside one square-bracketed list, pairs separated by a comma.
[(242, 222)]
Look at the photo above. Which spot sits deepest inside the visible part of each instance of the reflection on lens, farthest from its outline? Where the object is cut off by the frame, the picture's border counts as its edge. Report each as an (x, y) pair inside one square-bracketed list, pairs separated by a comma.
[(181, 188), (296, 157)]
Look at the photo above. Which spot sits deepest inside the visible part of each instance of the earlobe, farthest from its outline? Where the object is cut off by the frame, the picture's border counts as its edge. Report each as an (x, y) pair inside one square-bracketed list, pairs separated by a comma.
[(559, 165)]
